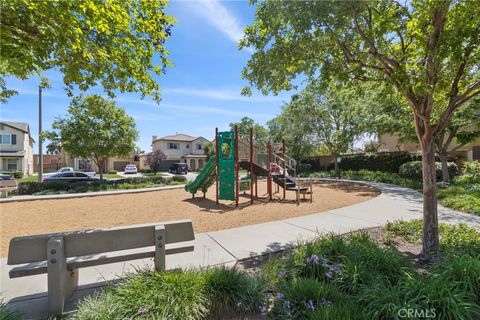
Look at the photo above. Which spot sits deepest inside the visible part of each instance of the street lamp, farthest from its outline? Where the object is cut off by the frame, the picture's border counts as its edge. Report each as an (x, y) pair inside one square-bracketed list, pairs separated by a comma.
[(339, 160), (44, 84)]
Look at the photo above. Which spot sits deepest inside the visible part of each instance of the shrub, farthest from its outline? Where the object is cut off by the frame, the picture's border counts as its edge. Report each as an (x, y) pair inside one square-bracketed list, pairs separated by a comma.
[(112, 172), (304, 168), (413, 170), (232, 291), (15, 174), (179, 178), (470, 172)]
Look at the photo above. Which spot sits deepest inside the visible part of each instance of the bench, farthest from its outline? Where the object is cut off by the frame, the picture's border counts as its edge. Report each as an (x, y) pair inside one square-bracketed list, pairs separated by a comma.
[(6, 186), (60, 255)]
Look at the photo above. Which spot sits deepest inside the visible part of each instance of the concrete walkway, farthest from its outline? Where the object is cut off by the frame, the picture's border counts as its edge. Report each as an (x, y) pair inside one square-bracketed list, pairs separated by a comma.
[(228, 246)]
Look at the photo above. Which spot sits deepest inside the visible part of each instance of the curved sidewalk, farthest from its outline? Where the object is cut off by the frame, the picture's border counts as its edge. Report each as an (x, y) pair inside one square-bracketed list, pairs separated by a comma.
[(228, 246)]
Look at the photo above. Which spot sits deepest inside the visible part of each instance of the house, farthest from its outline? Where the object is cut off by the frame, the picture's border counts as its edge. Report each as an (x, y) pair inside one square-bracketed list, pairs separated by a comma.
[(388, 142), (181, 148), (16, 147)]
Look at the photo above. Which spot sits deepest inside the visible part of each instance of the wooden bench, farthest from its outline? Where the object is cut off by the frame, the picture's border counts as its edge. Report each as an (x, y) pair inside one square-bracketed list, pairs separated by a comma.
[(60, 255), (6, 186)]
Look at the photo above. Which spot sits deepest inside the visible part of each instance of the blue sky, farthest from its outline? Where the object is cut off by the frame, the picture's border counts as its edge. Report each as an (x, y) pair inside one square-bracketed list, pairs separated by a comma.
[(200, 92)]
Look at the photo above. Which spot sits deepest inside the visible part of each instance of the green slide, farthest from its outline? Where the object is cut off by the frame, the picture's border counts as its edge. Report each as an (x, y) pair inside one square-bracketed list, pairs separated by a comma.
[(204, 179)]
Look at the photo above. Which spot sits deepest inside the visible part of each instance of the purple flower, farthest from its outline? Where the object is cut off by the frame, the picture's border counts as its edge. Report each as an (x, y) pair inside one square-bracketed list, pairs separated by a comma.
[(311, 305), (281, 273), (286, 304), (142, 310), (279, 295), (263, 309), (313, 259), (329, 274)]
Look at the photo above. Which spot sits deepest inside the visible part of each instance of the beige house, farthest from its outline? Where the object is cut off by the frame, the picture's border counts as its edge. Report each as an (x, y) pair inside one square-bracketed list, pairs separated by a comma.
[(181, 148), (16, 147), (468, 152)]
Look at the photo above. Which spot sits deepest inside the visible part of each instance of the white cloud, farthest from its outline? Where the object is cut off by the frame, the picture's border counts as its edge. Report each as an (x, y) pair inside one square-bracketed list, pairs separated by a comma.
[(195, 108), (220, 94), (221, 18)]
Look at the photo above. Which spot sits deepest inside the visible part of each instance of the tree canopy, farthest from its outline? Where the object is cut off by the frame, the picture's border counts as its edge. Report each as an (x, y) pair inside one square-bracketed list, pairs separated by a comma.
[(95, 129), (260, 133), (154, 160), (428, 51), (112, 44)]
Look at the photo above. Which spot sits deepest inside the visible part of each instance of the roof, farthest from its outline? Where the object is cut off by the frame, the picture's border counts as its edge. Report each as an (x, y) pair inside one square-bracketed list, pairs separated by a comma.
[(179, 137), (22, 126)]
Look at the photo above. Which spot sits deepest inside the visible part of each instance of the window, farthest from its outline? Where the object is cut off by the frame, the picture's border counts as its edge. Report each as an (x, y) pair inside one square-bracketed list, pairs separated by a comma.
[(81, 175), (172, 145), (11, 164), (6, 139), (199, 146), (188, 146)]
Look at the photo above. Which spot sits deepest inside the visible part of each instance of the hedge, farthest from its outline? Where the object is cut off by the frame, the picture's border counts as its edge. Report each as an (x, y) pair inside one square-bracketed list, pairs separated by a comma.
[(413, 170), (380, 161), (28, 188)]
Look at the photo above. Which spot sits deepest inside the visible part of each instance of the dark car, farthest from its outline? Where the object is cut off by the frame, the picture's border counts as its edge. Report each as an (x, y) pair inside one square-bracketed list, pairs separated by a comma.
[(6, 177), (178, 168), (75, 176)]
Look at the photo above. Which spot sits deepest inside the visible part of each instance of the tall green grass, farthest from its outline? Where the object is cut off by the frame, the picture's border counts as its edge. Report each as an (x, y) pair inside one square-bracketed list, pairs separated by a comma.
[(334, 277)]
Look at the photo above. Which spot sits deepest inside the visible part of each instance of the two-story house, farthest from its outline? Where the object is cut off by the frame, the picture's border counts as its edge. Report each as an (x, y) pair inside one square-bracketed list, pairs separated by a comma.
[(181, 148), (468, 152), (16, 147)]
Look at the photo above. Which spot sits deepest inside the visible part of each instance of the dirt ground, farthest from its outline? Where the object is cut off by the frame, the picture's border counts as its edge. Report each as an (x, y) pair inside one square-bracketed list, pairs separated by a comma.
[(47, 216)]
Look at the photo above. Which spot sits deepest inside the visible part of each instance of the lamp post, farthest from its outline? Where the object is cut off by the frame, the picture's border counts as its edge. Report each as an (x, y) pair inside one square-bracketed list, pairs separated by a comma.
[(339, 160), (43, 85)]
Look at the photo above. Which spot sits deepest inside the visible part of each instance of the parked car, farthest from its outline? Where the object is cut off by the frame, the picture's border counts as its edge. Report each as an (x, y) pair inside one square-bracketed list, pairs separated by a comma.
[(4, 176), (69, 169), (131, 168), (178, 168), (275, 168), (72, 176)]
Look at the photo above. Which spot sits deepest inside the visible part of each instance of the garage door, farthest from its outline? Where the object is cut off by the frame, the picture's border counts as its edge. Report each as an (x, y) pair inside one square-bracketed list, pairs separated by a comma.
[(120, 165)]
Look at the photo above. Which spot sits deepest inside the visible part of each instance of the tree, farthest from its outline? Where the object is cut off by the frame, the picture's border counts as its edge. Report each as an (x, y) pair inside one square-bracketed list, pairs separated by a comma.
[(330, 118), (94, 129), (154, 160), (107, 43), (209, 149), (425, 50), (260, 133)]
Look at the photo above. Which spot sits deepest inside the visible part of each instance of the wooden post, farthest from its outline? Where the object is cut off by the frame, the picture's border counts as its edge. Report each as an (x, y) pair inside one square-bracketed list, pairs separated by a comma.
[(251, 166), (160, 241), (269, 166), (236, 166), (216, 165)]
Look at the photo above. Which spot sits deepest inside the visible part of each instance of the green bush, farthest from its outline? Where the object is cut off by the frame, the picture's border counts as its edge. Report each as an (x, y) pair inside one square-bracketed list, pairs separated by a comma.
[(177, 295), (15, 174), (112, 172), (179, 178), (470, 172), (413, 170)]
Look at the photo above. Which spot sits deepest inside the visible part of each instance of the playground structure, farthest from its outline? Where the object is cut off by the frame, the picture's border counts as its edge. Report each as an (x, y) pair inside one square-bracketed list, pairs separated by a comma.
[(234, 153)]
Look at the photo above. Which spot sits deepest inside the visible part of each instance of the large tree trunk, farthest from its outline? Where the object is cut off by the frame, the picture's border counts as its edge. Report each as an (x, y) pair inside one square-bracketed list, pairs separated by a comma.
[(444, 161), (430, 246)]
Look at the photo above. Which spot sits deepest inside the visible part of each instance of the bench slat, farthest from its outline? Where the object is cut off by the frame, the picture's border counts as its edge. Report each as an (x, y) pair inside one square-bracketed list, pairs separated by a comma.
[(91, 261), (90, 242)]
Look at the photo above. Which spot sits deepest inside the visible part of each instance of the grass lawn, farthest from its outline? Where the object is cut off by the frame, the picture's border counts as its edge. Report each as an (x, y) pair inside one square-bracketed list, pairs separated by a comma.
[(373, 274), (460, 194), (111, 176), (28, 179), (151, 174)]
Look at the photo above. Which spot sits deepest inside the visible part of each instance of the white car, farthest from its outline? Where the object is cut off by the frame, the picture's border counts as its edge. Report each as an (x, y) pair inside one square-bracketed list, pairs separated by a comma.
[(131, 168)]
